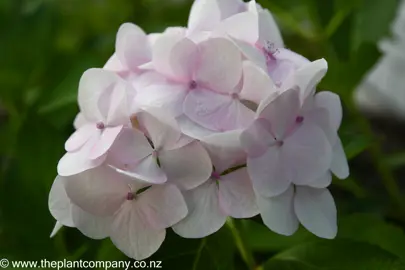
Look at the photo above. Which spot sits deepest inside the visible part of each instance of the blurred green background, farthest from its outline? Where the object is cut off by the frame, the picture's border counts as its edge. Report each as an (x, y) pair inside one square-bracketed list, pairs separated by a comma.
[(45, 46)]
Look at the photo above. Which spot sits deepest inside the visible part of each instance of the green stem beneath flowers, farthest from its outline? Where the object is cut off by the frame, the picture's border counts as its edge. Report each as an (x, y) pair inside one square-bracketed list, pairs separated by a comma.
[(245, 253)]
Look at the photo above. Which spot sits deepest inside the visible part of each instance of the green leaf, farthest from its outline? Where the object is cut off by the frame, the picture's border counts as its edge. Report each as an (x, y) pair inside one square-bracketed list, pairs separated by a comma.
[(373, 20), (396, 160), (373, 230), (261, 238), (357, 145), (108, 252), (336, 255), (213, 252)]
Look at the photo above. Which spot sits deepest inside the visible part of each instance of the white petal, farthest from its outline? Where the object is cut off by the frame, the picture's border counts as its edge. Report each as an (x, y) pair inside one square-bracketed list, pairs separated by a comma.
[(278, 212), (331, 102), (59, 203), (243, 26), (80, 137), (257, 138), (281, 111), (251, 53), (161, 128), (269, 172), (92, 226), (175, 56), (115, 65), (76, 162), (316, 210), (236, 195), (147, 170), (257, 84), (162, 205), (106, 140), (93, 83), (215, 111), (130, 147), (225, 150), (192, 129), (56, 229), (168, 97), (204, 214), (132, 234), (220, 66), (186, 167), (307, 154), (339, 166), (79, 121), (132, 46), (100, 191), (309, 75), (268, 29), (322, 182), (206, 14)]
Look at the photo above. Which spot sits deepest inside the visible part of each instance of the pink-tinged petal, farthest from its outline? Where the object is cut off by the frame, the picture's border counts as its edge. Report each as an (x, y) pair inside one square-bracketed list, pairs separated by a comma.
[(94, 84), (130, 147), (339, 166), (206, 14), (225, 150), (192, 129), (236, 195), (162, 205), (278, 212), (308, 154), (331, 102), (168, 97), (286, 63), (59, 203), (316, 210), (308, 76), (243, 26), (56, 229), (186, 167), (251, 53), (215, 111), (120, 103), (79, 121), (269, 172), (149, 78), (182, 141), (257, 84), (320, 117), (76, 162), (161, 128), (106, 140), (133, 235), (132, 46), (204, 214), (281, 112), (80, 137), (257, 138), (100, 191), (268, 29), (95, 227), (115, 65), (322, 182), (147, 170), (220, 65), (175, 56)]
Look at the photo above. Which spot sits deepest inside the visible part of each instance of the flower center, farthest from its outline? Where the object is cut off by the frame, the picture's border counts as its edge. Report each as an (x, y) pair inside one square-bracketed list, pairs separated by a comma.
[(235, 95), (299, 119), (155, 153), (279, 143), (215, 175), (130, 196), (193, 85), (100, 125)]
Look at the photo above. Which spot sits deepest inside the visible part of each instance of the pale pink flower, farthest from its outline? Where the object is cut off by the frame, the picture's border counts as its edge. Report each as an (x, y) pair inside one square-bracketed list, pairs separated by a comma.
[(132, 213), (223, 194), (105, 101), (155, 151)]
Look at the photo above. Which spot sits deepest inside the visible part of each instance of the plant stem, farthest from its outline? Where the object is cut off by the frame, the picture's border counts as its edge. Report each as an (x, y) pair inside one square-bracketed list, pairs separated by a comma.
[(245, 253)]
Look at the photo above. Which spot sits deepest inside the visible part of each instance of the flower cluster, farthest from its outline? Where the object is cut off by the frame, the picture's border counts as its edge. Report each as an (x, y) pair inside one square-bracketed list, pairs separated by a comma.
[(188, 127)]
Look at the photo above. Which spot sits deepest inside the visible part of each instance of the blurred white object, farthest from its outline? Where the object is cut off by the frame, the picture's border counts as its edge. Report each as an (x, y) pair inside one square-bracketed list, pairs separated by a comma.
[(383, 90)]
